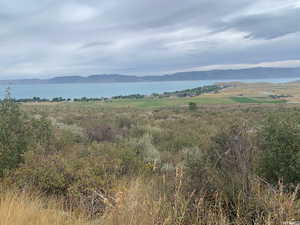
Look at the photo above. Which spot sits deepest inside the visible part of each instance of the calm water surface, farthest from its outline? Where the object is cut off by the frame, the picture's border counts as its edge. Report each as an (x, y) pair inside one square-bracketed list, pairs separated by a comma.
[(113, 89)]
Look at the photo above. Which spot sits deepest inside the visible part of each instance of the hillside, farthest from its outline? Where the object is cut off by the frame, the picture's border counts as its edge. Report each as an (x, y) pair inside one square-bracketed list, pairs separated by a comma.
[(240, 74), (165, 161)]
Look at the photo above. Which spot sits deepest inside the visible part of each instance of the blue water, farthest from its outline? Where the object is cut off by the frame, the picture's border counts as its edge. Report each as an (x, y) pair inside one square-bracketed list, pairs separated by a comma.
[(98, 90)]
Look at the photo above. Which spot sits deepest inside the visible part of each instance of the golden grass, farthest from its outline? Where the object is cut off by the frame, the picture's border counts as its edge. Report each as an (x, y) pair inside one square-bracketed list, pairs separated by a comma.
[(141, 203), (262, 90), (23, 209)]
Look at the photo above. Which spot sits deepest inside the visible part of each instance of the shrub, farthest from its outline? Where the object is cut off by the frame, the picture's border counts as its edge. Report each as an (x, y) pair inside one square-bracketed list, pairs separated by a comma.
[(145, 149), (41, 133), (232, 154), (77, 173), (280, 145), (19, 133), (227, 167), (192, 106), (101, 132), (125, 122), (14, 139)]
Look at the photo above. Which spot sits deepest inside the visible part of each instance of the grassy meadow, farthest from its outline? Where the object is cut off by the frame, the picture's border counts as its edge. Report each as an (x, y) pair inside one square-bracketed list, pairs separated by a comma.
[(233, 157)]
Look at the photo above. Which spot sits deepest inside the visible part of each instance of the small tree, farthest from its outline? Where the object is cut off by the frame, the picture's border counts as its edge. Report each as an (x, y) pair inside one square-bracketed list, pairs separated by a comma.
[(13, 138), (192, 106)]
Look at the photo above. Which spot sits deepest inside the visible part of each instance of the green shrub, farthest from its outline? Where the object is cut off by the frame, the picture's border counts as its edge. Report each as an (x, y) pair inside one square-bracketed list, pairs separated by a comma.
[(192, 106), (77, 172), (229, 163), (14, 140), (227, 169), (280, 145), (41, 133), (19, 133), (145, 149)]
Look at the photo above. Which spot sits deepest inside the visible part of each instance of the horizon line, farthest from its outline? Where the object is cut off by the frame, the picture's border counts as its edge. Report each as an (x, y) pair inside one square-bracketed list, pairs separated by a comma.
[(163, 74)]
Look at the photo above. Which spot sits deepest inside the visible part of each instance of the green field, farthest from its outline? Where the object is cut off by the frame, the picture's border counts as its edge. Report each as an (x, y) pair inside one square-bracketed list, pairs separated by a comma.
[(166, 102), (173, 102), (259, 100), (178, 102)]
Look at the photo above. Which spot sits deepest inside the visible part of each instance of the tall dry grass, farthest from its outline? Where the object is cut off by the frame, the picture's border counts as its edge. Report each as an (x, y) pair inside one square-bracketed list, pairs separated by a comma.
[(24, 209), (142, 203)]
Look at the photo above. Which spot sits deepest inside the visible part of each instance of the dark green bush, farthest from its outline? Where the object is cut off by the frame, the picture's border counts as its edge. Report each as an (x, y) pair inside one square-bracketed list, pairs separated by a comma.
[(18, 134), (14, 139), (280, 150), (192, 106)]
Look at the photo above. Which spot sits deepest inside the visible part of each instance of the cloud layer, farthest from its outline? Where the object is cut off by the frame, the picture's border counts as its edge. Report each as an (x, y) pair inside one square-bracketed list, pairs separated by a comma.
[(51, 37)]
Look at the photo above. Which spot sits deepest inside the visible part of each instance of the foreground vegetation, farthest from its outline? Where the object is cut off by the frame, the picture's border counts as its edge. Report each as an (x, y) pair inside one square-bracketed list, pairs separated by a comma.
[(88, 163)]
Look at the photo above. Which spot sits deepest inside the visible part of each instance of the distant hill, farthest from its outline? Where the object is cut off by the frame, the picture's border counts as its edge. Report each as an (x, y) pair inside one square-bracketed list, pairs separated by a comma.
[(239, 74)]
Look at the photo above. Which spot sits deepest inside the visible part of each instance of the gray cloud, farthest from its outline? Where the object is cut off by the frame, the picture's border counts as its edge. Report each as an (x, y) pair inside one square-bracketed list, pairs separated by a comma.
[(268, 25), (49, 37)]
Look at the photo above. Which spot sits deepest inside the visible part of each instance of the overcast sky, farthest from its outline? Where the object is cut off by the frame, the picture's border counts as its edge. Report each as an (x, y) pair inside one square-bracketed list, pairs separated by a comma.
[(45, 38)]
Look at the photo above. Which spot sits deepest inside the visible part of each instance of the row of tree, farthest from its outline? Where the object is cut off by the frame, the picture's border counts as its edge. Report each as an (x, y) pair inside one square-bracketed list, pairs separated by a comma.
[(184, 93)]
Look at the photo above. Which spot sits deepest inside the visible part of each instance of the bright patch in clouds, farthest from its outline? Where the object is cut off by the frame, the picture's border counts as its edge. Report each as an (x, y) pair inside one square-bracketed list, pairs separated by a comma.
[(297, 4), (277, 64), (77, 13)]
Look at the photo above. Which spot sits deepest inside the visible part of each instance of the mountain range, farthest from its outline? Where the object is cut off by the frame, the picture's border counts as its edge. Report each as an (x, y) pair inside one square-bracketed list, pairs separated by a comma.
[(238, 74)]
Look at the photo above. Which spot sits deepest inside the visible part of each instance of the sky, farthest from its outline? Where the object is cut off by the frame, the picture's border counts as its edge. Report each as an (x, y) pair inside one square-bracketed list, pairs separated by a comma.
[(46, 38)]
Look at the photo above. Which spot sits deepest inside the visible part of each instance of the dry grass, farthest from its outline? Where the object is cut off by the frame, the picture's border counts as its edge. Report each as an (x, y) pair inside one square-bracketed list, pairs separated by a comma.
[(22, 209), (141, 203), (262, 90)]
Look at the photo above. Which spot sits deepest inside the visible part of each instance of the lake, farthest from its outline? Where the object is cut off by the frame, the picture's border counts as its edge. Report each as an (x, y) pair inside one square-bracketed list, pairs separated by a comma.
[(98, 90)]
